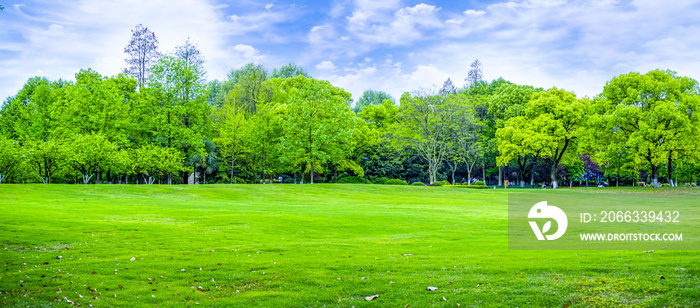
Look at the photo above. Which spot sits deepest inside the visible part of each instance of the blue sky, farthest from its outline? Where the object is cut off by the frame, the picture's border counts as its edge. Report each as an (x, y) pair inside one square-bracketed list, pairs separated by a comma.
[(392, 45)]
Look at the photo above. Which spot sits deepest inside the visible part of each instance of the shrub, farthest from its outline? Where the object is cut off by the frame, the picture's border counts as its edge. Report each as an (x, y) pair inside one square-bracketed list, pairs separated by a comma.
[(353, 180), (395, 182), (479, 183), (467, 186), (417, 184), (381, 180), (441, 183)]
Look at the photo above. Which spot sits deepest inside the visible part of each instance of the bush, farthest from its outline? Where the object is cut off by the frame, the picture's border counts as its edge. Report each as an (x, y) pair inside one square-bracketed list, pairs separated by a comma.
[(441, 183), (395, 182), (467, 186), (417, 184), (381, 180), (479, 183), (353, 180)]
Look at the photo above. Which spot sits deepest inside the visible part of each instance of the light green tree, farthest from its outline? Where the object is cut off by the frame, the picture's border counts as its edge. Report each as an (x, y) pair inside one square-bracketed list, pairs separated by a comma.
[(653, 115), (44, 158), (424, 124), (371, 97), (181, 111), (290, 70), (317, 124), (552, 123), (86, 153), (152, 161), (10, 157)]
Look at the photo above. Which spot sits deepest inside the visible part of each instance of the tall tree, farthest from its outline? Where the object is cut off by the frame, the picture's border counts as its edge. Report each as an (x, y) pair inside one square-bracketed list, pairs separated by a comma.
[(87, 153), (424, 124), (653, 114), (318, 124), (448, 88), (10, 157), (246, 85), (551, 125), (142, 52), (290, 70), (475, 74), (182, 117), (45, 158), (371, 97), (189, 53)]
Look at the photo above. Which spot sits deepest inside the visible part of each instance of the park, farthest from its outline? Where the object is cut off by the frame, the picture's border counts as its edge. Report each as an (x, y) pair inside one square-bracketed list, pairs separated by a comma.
[(394, 155), (312, 245)]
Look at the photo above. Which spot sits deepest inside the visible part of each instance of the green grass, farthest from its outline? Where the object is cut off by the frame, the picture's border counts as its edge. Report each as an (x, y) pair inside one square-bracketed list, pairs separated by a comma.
[(309, 246)]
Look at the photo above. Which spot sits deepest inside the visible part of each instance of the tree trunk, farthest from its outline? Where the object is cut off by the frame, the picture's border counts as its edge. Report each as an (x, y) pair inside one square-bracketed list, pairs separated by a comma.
[(483, 172), (655, 176), (312, 172), (670, 170), (232, 165), (500, 176), (553, 176), (98, 179)]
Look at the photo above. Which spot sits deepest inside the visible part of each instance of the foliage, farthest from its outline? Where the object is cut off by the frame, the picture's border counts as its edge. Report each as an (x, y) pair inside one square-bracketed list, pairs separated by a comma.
[(371, 97), (353, 180), (10, 158), (417, 184), (467, 186), (142, 52), (395, 182), (317, 123), (290, 70), (380, 180), (479, 183), (441, 183), (653, 115), (475, 74)]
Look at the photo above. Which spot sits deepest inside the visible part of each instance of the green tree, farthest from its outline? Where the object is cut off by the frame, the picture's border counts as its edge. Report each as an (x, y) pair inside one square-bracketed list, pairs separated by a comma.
[(10, 158), (371, 97), (290, 70), (317, 123), (86, 153), (231, 134), (652, 114), (509, 100), (424, 124), (152, 161), (182, 117), (45, 158), (142, 52), (550, 127)]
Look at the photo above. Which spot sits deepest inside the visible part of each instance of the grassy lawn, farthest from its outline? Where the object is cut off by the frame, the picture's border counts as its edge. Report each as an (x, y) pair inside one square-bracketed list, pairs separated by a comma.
[(310, 246)]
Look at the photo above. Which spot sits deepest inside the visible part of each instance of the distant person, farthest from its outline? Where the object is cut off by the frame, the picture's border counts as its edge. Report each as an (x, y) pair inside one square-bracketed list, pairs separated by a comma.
[(506, 182), (280, 179)]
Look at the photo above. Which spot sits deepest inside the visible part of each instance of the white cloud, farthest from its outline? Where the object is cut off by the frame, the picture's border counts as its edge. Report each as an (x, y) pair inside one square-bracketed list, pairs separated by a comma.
[(268, 6), (245, 54), (326, 65), (403, 27)]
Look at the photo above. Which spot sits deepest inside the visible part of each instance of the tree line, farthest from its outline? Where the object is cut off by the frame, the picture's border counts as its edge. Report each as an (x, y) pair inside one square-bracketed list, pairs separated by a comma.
[(160, 121)]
